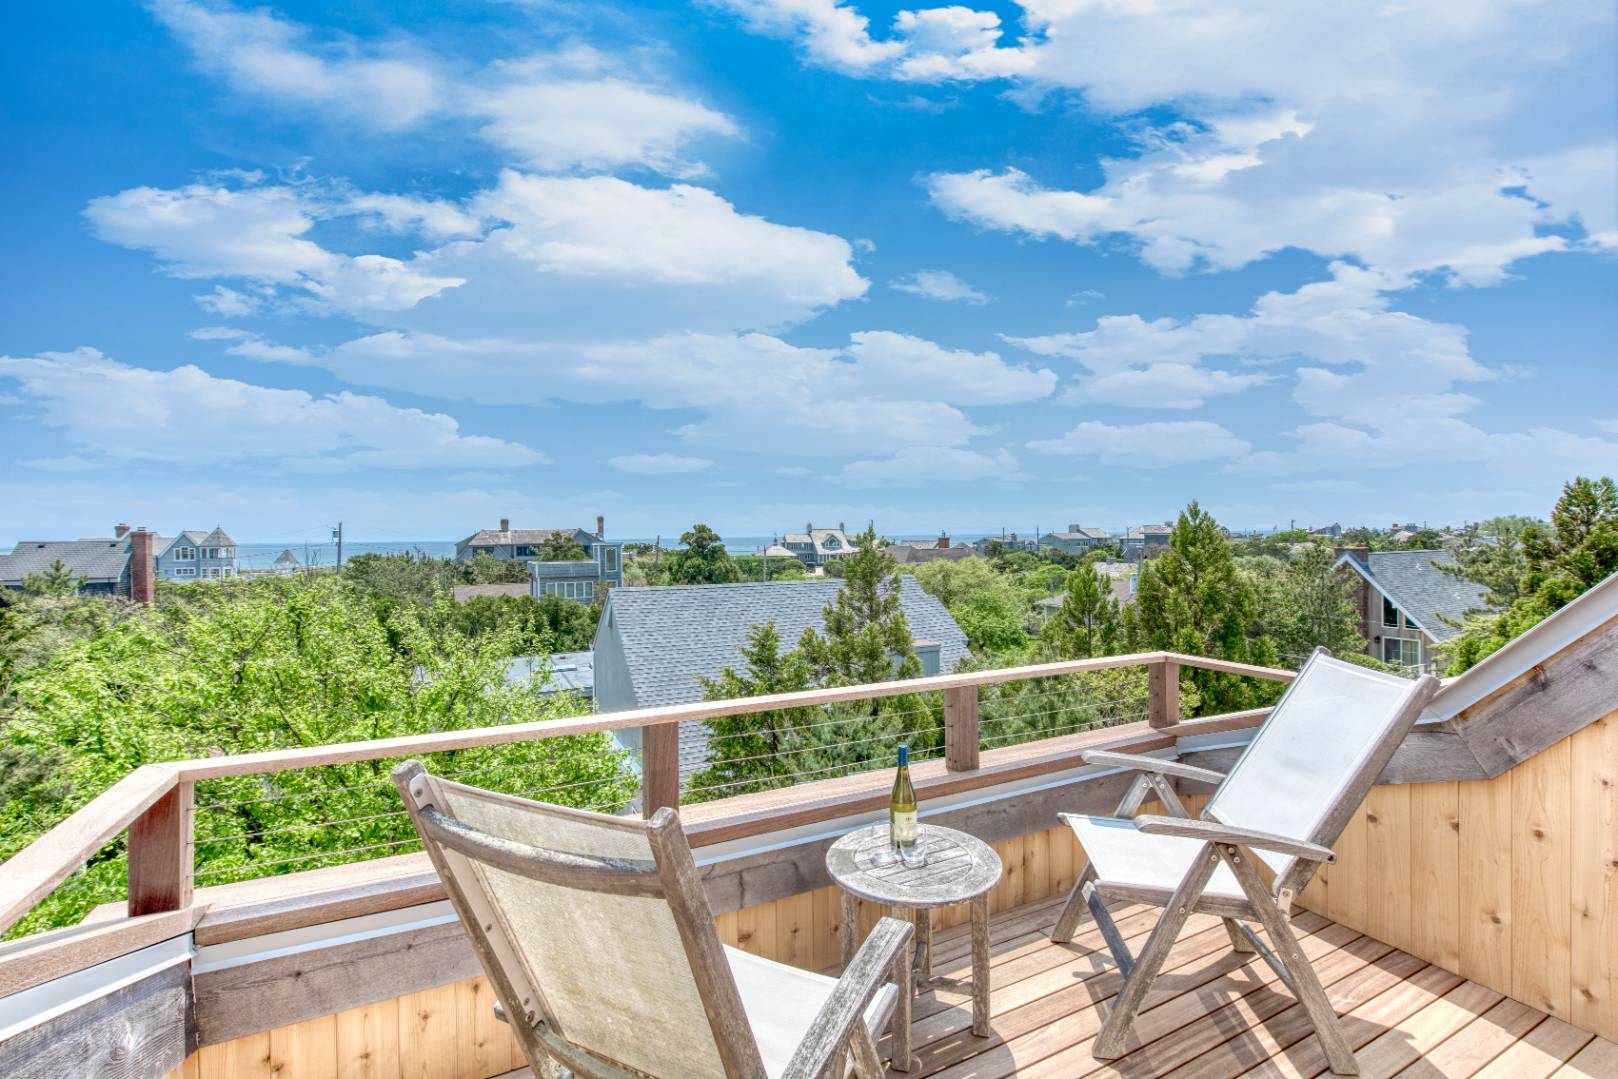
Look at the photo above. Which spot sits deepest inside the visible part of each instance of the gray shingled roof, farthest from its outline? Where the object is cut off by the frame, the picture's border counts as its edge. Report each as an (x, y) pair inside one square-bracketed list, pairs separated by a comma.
[(1423, 591), (218, 538), (93, 559), (673, 634)]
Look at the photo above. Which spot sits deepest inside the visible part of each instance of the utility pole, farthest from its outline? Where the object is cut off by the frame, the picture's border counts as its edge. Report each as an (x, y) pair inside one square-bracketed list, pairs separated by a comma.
[(337, 536)]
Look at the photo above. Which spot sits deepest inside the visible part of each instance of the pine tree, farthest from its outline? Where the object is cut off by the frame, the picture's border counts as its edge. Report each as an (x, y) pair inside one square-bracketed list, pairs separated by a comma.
[(759, 750), (867, 638), (57, 580), (1193, 599), (1088, 623)]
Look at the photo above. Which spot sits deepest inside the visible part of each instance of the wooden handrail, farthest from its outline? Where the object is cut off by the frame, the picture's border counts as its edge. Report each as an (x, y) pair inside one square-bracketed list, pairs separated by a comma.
[(31, 875)]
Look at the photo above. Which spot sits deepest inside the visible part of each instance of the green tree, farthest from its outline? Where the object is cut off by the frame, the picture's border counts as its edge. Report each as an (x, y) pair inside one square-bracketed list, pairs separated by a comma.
[(701, 559), (751, 567), (760, 750), (484, 568), (1192, 599), (984, 603), (561, 547), (1089, 622), (57, 580), (1562, 561), (1305, 603), (280, 663), (866, 636)]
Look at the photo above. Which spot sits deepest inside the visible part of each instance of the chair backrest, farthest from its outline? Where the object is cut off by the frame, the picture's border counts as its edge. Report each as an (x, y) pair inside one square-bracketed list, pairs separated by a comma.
[(1311, 763), (593, 929)]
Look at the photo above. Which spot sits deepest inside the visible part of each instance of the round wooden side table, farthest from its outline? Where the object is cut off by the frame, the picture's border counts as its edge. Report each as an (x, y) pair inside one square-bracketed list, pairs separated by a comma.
[(960, 869)]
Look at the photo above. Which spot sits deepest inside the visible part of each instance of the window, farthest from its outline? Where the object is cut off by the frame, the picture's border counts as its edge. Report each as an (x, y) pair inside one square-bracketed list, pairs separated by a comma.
[(525, 552), (587, 590), (185, 571), (1390, 613), (186, 554), (609, 559), (1401, 652)]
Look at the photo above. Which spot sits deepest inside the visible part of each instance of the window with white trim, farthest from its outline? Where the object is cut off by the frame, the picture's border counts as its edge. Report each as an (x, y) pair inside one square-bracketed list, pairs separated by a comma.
[(1401, 652), (185, 571), (185, 554)]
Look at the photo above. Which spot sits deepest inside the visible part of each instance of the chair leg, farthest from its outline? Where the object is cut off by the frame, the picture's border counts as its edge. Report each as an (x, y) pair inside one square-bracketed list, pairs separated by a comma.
[(1113, 1041), (867, 1062), (1067, 923), (1238, 939), (1305, 985)]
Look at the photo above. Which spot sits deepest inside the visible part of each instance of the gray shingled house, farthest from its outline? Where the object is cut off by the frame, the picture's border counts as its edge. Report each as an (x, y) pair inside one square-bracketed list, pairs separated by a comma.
[(1407, 604), (652, 644)]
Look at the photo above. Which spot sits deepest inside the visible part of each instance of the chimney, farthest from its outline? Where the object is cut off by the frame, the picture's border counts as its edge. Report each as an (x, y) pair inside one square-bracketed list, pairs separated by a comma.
[(943, 542), (140, 566), (120, 530), (840, 527), (601, 527), (1362, 555), (505, 524)]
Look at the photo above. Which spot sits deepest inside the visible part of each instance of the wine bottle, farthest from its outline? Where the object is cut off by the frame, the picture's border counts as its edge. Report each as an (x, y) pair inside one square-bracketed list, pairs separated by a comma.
[(902, 808)]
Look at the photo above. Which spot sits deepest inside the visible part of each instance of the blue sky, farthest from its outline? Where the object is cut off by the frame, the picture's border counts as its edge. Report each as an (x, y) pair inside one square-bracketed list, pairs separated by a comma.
[(755, 262)]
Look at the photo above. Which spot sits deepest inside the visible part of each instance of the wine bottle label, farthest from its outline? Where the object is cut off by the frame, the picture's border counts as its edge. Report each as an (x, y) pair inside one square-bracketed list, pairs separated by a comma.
[(904, 827)]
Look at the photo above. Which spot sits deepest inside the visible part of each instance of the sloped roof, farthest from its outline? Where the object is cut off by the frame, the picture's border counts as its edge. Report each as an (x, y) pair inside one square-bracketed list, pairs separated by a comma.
[(1148, 530), (905, 554), (569, 672), (817, 537), (287, 558), (1082, 533), (672, 634), (464, 592), (218, 538), (93, 559), (1413, 581), (493, 537)]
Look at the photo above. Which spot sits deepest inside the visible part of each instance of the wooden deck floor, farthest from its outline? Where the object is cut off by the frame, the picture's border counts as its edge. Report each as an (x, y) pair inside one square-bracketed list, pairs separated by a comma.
[(1216, 1015)]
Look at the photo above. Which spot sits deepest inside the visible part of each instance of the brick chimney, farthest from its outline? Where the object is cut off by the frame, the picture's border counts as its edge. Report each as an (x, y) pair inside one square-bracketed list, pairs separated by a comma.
[(1362, 555), (141, 588), (120, 530), (505, 524), (601, 527), (943, 542)]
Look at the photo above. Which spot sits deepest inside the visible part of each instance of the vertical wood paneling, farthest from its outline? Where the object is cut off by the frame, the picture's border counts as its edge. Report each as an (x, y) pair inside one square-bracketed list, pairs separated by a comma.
[(1435, 867), (428, 1035), (1387, 865), (486, 1045), (1066, 860), (828, 947), (1541, 903), (1345, 890), (1485, 881), (794, 930), (1593, 792), (242, 1058), (368, 1041), (1036, 863), (306, 1050)]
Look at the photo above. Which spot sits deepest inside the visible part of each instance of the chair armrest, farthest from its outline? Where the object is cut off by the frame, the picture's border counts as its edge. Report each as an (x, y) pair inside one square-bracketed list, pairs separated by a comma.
[(872, 966), (1214, 832), (1108, 759)]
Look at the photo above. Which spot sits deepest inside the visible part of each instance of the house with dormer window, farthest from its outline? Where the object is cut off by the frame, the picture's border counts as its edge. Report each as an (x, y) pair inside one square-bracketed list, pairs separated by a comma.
[(1407, 604), (817, 546)]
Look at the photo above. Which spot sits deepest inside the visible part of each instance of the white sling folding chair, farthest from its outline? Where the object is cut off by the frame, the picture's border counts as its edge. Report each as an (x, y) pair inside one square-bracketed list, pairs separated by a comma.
[(597, 936), (1278, 811)]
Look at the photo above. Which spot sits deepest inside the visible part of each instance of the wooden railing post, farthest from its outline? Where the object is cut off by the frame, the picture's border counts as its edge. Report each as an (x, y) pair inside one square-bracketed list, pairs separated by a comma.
[(160, 854), (961, 729), (1163, 689), (660, 767)]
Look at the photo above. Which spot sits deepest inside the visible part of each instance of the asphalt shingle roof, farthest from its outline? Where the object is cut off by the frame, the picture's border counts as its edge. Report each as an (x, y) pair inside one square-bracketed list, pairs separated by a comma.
[(1423, 591), (92, 559), (673, 634)]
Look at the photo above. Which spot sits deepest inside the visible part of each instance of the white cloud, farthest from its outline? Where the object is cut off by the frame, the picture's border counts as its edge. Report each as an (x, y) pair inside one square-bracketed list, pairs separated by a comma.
[(1346, 321), (572, 109), (1145, 445), (659, 464), (832, 33), (262, 55), (114, 412), (1396, 135), (256, 233), (901, 364), (918, 466), (938, 285), (435, 219), (227, 302)]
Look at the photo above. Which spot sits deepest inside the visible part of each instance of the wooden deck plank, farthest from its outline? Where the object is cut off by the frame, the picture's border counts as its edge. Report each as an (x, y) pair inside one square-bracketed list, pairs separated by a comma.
[(1477, 1043), (1598, 1060), (1546, 1048), (1408, 1041)]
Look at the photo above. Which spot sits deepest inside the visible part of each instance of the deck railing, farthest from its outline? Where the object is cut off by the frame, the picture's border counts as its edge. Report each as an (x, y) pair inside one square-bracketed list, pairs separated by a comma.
[(157, 805)]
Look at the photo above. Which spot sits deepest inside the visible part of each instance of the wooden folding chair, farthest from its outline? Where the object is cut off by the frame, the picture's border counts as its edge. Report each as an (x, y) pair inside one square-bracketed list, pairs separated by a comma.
[(1277, 813), (600, 944)]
